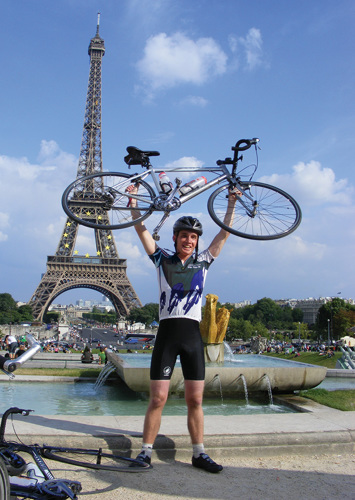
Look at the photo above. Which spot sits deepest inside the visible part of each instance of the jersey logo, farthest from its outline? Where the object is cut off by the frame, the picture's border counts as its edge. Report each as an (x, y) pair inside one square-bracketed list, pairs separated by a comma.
[(166, 371)]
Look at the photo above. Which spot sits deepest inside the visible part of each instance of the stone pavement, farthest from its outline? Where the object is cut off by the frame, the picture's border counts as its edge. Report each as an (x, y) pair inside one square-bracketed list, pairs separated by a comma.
[(294, 456)]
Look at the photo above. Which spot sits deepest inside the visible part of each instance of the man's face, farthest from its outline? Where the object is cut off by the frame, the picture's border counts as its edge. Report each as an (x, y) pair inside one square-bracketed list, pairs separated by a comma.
[(186, 242)]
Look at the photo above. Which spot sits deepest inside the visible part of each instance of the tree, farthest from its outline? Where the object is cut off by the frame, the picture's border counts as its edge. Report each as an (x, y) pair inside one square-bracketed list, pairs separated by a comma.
[(342, 322), (7, 303), (51, 316), (336, 308), (146, 314), (10, 313)]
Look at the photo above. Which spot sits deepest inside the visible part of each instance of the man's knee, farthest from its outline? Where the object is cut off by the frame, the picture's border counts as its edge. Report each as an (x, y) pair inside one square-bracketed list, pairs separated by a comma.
[(194, 400), (158, 395)]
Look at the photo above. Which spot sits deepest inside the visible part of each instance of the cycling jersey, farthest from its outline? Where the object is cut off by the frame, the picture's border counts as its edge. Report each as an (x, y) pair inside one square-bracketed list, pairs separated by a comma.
[(181, 284)]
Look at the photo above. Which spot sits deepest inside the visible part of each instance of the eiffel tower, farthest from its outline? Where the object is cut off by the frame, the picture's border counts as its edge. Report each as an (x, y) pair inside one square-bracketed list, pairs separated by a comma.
[(106, 272)]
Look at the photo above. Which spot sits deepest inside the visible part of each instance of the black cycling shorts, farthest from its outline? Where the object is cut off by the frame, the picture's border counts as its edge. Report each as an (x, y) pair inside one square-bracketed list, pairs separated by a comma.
[(178, 336)]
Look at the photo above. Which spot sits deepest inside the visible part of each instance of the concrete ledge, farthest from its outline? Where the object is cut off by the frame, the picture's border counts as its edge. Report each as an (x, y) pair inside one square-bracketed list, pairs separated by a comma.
[(316, 429), (340, 373)]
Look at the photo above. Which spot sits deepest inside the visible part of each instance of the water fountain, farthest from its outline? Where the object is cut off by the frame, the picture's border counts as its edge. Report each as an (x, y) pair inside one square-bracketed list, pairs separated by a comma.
[(257, 372), (104, 374), (246, 394)]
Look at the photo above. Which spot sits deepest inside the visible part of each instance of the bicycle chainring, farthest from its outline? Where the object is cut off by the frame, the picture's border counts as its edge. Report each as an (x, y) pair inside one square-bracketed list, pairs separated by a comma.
[(160, 203), (60, 488)]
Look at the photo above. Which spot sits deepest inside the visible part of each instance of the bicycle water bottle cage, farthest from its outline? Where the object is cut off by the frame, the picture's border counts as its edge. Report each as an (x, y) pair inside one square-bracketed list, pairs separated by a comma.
[(138, 157)]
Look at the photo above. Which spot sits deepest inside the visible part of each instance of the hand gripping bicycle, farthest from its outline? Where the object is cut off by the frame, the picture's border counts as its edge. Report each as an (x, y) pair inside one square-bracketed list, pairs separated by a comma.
[(103, 200)]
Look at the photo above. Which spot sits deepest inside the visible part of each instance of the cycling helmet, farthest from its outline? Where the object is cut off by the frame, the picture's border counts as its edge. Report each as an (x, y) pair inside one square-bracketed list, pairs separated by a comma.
[(188, 223)]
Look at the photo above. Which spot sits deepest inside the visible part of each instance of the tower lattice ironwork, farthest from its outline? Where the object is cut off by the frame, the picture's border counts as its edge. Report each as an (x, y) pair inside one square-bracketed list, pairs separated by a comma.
[(66, 270)]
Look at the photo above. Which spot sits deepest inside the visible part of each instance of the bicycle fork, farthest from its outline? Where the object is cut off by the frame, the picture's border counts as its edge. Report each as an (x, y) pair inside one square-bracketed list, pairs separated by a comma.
[(250, 212)]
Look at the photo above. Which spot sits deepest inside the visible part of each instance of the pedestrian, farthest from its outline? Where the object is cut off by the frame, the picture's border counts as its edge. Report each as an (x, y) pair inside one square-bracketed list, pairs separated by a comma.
[(102, 356), (12, 345), (181, 278)]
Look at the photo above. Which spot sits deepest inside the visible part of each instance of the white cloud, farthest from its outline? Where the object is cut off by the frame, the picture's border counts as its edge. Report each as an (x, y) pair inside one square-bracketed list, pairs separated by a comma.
[(194, 101), (4, 223), (173, 60), (312, 184), (249, 49), (185, 161), (4, 220)]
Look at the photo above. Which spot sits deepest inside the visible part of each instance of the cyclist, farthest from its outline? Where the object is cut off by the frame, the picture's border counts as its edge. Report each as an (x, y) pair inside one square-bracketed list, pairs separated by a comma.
[(181, 279)]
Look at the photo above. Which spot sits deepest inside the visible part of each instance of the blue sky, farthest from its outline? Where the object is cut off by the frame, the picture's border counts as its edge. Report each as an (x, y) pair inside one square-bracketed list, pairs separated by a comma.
[(188, 79)]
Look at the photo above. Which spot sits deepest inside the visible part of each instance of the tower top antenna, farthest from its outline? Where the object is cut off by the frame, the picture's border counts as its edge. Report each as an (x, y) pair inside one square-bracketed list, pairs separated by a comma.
[(98, 22)]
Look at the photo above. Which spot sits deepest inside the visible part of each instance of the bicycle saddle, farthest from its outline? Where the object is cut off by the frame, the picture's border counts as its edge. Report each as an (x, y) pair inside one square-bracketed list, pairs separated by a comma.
[(137, 156)]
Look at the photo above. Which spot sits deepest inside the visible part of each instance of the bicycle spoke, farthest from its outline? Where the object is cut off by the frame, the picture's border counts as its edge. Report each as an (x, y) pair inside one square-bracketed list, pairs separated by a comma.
[(102, 201), (269, 214)]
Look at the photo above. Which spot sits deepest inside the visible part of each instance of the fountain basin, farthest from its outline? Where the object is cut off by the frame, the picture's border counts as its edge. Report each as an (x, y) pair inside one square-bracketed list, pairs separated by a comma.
[(281, 376)]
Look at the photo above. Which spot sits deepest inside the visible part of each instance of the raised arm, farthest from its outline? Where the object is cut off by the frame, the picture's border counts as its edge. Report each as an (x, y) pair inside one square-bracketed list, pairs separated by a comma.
[(143, 233), (219, 240)]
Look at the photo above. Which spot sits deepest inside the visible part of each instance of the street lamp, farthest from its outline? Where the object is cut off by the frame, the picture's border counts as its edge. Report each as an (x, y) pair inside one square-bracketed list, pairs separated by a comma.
[(328, 332), (299, 333)]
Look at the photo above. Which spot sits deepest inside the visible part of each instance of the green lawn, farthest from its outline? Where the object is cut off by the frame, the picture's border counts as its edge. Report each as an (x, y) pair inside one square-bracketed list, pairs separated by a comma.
[(61, 372), (341, 400), (312, 358)]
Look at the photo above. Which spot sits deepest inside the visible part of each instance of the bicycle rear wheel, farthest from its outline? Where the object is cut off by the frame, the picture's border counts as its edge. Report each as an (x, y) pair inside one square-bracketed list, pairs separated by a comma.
[(100, 201), (270, 214), (94, 459)]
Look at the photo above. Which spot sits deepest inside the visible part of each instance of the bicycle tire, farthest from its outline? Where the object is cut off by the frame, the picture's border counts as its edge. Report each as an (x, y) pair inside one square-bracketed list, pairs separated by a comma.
[(94, 459), (276, 215), (88, 199), (4, 482)]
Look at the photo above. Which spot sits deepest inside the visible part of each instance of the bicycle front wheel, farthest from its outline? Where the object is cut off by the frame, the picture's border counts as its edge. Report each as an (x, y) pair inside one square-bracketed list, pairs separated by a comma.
[(268, 214), (100, 201), (4, 482), (94, 459)]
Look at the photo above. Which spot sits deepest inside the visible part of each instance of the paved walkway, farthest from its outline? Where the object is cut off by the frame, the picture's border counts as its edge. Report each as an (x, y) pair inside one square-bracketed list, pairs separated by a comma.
[(295, 456)]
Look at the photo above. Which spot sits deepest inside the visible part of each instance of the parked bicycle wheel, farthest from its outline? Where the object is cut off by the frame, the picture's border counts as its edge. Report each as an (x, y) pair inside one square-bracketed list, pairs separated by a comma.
[(100, 201), (4, 482), (94, 459), (270, 214)]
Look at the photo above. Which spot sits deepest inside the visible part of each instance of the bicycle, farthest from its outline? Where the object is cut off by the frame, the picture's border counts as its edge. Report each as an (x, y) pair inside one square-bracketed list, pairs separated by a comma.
[(34, 479), (103, 200)]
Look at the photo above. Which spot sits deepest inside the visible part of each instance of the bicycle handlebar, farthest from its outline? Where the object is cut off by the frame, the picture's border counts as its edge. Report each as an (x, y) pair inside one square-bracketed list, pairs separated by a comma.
[(10, 365), (6, 414), (248, 143)]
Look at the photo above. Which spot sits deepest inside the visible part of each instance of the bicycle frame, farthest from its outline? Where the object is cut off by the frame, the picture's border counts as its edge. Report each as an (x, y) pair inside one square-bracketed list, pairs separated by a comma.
[(35, 480), (104, 199), (167, 206)]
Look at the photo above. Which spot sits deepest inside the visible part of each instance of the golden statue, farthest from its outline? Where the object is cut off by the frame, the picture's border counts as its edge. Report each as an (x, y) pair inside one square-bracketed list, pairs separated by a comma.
[(214, 323)]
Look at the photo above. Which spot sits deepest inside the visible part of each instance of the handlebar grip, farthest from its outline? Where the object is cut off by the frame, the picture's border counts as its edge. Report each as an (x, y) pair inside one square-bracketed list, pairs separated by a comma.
[(248, 143)]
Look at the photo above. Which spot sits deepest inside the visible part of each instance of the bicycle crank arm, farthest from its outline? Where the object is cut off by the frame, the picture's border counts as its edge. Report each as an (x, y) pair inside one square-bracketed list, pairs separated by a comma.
[(155, 234)]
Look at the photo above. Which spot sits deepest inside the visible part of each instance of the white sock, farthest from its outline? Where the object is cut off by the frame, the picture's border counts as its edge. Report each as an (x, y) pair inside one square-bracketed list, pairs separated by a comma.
[(198, 449), (147, 449)]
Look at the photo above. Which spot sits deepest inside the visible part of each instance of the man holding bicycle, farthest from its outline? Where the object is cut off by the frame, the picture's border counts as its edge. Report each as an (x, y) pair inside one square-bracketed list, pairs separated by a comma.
[(181, 279)]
